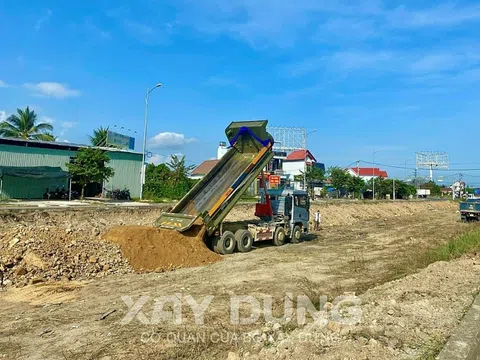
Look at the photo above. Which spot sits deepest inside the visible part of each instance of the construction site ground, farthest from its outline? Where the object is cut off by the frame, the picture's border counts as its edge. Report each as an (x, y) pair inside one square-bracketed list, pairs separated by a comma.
[(53, 309)]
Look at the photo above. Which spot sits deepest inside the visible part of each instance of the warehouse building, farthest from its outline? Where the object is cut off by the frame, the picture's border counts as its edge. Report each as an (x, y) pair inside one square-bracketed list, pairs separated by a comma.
[(28, 168)]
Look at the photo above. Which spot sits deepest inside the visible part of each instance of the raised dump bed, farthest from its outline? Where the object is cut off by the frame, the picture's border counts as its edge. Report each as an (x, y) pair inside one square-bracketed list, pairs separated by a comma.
[(214, 196)]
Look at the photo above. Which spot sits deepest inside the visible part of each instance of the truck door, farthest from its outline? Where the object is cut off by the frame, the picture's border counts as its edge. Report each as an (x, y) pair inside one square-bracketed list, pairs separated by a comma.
[(301, 213), (288, 206)]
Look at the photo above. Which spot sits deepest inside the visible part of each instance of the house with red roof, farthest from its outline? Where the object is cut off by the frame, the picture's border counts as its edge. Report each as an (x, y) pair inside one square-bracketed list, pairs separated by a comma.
[(203, 169), (368, 173), (295, 162)]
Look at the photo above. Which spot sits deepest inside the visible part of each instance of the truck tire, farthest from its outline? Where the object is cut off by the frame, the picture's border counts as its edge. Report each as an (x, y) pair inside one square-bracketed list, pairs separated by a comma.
[(224, 244), (244, 240), (296, 234), (279, 236)]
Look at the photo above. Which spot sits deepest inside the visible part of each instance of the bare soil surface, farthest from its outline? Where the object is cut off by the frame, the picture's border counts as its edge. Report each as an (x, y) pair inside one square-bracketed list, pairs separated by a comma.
[(361, 249)]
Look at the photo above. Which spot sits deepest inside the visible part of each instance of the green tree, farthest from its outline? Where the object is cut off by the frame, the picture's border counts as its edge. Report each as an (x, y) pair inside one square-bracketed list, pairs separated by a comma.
[(23, 125), (168, 181), (356, 185), (385, 186), (313, 177), (159, 172), (404, 190), (99, 137), (435, 190), (179, 170), (339, 177), (90, 166)]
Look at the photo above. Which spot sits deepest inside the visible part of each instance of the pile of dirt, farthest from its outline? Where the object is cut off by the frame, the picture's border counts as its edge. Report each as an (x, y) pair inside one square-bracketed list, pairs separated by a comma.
[(31, 254), (38, 246), (153, 249), (348, 212)]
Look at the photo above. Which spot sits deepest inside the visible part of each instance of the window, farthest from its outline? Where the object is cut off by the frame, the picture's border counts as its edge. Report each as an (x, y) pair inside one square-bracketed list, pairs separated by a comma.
[(301, 201)]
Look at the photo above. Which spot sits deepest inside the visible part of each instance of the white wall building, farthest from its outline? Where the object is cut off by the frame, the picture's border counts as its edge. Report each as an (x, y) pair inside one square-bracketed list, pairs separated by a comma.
[(367, 173), (222, 149), (295, 162)]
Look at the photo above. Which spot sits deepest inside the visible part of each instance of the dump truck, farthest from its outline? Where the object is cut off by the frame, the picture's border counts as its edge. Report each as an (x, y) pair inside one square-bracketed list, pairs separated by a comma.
[(470, 210), (282, 214)]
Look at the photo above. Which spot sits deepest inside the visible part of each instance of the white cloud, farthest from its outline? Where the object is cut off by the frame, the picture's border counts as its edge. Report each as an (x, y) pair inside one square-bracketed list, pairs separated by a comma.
[(267, 22), (3, 115), (446, 14), (65, 126), (352, 60), (169, 140), (3, 84), (412, 63), (347, 29), (443, 61), (161, 159), (143, 31), (283, 23), (47, 119), (92, 29), (52, 89), (68, 124), (43, 20), (158, 159)]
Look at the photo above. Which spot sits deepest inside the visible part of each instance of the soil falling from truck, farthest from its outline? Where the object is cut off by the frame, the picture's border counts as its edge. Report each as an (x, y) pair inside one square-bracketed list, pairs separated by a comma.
[(152, 249)]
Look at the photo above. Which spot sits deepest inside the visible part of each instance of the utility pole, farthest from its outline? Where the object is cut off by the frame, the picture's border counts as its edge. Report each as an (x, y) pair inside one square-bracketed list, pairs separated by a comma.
[(305, 134), (373, 174), (393, 189), (415, 179), (142, 171)]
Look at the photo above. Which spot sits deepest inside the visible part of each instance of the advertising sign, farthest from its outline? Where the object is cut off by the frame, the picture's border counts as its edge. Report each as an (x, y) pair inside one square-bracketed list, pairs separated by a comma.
[(120, 141)]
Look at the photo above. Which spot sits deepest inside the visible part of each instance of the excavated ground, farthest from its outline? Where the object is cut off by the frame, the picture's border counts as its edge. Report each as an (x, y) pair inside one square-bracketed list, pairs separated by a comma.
[(363, 248)]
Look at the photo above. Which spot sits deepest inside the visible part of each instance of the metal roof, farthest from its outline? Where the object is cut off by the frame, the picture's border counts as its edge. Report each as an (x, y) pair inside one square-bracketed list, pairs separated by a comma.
[(58, 145)]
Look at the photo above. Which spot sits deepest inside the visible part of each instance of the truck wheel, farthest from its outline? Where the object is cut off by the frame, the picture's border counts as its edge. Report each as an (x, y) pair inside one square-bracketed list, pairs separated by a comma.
[(279, 236), (296, 234), (225, 244), (244, 240)]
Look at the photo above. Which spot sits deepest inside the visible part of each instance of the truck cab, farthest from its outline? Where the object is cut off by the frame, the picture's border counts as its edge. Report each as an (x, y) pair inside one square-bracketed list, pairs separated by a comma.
[(290, 206), (470, 210)]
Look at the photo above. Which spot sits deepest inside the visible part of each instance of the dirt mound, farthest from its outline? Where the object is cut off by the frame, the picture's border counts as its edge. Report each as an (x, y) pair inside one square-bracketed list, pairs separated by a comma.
[(348, 212), (152, 249)]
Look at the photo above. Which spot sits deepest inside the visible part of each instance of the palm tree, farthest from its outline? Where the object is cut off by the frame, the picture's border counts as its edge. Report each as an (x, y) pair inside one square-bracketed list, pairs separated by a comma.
[(99, 137), (23, 126)]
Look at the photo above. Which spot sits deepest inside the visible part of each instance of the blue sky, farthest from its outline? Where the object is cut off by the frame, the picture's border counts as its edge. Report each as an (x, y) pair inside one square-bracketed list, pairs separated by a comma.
[(368, 75)]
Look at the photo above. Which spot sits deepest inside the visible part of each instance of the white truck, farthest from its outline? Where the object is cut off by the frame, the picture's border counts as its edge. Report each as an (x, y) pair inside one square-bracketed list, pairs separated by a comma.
[(423, 193)]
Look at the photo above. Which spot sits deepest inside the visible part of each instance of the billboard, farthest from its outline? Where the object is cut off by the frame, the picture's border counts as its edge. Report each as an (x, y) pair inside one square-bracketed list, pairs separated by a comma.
[(120, 141), (274, 181)]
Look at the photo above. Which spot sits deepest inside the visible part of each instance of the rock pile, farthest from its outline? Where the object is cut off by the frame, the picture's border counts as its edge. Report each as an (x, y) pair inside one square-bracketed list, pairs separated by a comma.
[(37, 245), (36, 254)]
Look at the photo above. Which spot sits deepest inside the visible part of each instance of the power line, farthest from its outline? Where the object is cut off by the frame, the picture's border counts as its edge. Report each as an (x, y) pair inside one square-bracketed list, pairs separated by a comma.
[(409, 168)]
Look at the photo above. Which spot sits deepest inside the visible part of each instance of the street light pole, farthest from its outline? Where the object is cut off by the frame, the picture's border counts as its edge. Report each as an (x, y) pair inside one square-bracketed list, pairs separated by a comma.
[(305, 159), (373, 174), (142, 171)]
